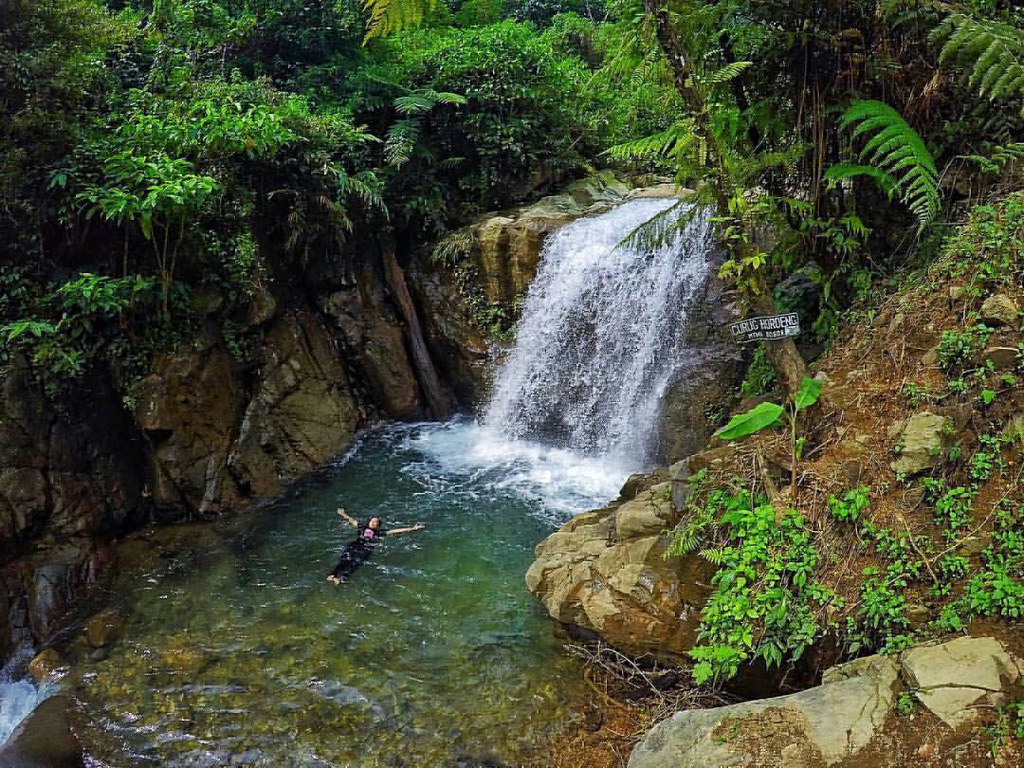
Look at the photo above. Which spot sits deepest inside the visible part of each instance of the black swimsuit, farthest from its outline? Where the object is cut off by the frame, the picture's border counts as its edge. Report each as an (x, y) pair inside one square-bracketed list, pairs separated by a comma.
[(357, 552)]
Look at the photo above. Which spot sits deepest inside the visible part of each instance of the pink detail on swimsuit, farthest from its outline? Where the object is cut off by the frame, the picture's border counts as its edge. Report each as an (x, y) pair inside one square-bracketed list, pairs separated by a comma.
[(368, 533)]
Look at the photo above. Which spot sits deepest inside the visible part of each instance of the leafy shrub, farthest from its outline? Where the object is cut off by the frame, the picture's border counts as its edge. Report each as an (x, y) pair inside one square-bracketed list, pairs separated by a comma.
[(765, 601)]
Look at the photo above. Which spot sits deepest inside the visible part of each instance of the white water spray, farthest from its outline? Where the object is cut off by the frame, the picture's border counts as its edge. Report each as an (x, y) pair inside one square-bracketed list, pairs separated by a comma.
[(601, 336)]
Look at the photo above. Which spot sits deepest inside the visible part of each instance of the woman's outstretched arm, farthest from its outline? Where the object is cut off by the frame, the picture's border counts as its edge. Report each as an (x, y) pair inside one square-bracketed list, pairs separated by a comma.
[(397, 531), (348, 518)]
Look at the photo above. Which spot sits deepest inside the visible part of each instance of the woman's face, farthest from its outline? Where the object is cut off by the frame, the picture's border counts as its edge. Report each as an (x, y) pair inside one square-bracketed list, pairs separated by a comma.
[(374, 522)]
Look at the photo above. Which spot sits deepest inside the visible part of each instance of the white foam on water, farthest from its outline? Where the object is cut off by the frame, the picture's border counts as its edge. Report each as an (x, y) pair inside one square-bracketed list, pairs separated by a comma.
[(18, 695), (562, 481)]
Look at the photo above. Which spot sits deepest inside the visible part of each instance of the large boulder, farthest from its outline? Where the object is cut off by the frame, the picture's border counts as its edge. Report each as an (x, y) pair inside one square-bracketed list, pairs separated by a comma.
[(45, 739), (605, 572), (958, 680), (850, 719), (821, 726)]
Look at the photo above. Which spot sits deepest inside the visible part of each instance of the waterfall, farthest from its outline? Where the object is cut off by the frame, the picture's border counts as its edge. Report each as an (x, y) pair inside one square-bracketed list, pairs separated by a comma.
[(602, 335)]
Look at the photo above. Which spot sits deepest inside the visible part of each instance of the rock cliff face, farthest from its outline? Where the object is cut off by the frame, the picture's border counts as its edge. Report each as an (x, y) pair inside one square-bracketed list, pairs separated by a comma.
[(506, 247), (216, 444), (204, 432)]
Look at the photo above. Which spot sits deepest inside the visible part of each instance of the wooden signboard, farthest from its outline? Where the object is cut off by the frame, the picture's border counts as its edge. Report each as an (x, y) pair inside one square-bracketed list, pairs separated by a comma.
[(765, 328)]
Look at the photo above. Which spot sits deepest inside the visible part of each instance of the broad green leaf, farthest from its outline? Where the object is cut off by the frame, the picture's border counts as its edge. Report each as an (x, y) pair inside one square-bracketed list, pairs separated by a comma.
[(754, 420), (810, 391)]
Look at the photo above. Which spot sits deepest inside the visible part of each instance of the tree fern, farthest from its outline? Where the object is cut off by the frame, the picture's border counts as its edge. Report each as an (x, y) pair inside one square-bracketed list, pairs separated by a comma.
[(659, 230), (999, 158), (403, 135), (990, 52), (677, 144), (723, 74), (424, 100), (896, 157), (401, 141), (389, 16), (713, 556)]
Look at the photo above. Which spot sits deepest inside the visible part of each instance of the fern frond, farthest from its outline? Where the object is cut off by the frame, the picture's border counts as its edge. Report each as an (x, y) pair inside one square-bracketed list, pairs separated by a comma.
[(401, 141), (676, 143), (660, 229), (1000, 157), (390, 16), (840, 172), (424, 100), (725, 74), (897, 152), (364, 186), (713, 556), (990, 52), (453, 247)]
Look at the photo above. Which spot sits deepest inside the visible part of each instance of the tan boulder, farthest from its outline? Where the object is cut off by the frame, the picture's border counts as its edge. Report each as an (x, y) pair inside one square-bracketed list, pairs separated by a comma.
[(606, 572), (999, 309), (922, 440), (104, 628)]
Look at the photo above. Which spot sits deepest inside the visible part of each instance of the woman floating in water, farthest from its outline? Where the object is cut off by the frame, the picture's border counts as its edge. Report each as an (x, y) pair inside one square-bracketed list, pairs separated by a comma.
[(358, 552)]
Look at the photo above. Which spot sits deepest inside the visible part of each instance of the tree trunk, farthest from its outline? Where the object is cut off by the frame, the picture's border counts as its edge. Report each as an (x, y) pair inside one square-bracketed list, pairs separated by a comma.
[(438, 402), (785, 360)]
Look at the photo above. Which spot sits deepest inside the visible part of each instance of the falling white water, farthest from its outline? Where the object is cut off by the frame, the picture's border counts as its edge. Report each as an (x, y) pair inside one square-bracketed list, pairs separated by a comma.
[(602, 336), (18, 694)]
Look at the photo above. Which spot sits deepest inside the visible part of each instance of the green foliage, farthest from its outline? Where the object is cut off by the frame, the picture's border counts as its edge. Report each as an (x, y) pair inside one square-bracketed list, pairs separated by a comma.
[(848, 509), (766, 415), (895, 150), (765, 602), (989, 248), (905, 704), (954, 510), (807, 395), (880, 621), (990, 51), (760, 376), (95, 320), (390, 16), (958, 348)]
